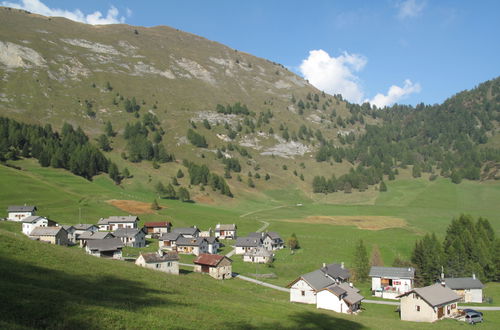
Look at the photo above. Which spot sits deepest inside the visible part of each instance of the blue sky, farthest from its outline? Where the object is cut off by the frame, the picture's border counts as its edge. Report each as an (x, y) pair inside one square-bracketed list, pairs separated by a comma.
[(426, 50)]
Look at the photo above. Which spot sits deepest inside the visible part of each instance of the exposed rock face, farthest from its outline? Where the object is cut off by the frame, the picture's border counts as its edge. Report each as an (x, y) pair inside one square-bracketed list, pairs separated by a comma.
[(16, 56)]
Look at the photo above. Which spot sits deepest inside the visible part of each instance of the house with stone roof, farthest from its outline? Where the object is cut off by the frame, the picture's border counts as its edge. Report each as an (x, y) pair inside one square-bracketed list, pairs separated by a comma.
[(31, 222), (87, 236), (225, 231), (390, 282), (245, 244), (188, 232), (20, 212), (195, 245), (340, 298), (116, 222), (52, 235), (258, 255), (217, 266), (110, 248), (213, 244), (428, 304), (80, 228), (168, 262), (272, 241), (131, 237), (469, 289)]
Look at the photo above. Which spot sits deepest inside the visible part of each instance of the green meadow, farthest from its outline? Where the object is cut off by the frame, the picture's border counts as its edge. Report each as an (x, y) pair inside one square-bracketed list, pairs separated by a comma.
[(420, 206)]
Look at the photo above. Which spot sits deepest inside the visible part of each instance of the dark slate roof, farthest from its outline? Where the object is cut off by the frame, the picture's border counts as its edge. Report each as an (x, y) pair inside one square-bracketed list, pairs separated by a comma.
[(21, 208), (336, 290), (248, 241), (211, 240), (185, 241), (230, 226), (32, 219), (348, 293), (83, 226), (209, 259), (254, 234), (155, 257), (317, 280), (108, 244), (463, 283), (89, 235), (115, 219), (169, 236), (126, 232), (392, 272), (45, 231), (336, 271), (186, 231), (67, 227), (435, 295), (273, 235)]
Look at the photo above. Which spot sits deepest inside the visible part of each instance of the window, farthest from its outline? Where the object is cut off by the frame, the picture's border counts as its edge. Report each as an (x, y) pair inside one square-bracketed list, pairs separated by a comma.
[(158, 266), (302, 293), (417, 307)]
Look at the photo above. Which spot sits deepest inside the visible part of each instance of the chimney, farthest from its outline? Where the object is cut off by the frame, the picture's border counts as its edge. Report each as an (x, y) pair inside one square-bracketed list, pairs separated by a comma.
[(473, 275), (324, 265), (350, 284), (409, 269), (342, 265), (194, 226)]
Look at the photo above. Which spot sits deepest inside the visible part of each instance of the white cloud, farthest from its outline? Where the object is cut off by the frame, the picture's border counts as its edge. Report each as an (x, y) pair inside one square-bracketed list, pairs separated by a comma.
[(334, 75), (395, 93), (410, 8), (337, 75), (38, 7)]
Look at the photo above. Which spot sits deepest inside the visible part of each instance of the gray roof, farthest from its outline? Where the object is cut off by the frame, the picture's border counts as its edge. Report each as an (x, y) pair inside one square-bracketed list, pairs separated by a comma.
[(83, 226), (392, 272), (126, 232), (347, 287), (89, 235), (184, 241), (32, 219), (67, 227), (211, 240), (254, 234), (115, 219), (248, 241), (169, 236), (186, 231), (435, 295), (21, 208), (155, 257), (463, 283), (317, 280), (259, 252), (273, 235), (336, 271), (230, 226), (45, 231), (348, 293), (108, 244)]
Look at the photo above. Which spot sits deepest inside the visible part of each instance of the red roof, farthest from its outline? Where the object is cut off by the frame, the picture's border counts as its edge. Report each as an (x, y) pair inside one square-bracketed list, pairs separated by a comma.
[(158, 224), (208, 259)]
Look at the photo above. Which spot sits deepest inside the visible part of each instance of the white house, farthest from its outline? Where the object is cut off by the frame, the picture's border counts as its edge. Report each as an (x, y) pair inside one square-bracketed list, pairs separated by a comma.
[(33, 221), (225, 231), (168, 263), (105, 248), (390, 282), (213, 244), (272, 241), (167, 241), (84, 227), (340, 298), (305, 288), (258, 255), (20, 212), (131, 236), (195, 245), (188, 232), (470, 289), (337, 272), (116, 222), (428, 304), (245, 244)]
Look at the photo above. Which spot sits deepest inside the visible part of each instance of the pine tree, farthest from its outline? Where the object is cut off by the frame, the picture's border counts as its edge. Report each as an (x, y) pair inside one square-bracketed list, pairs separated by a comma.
[(155, 206), (108, 129), (114, 174), (292, 242), (361, 263), (170, 192), (180, 174), (126, 173), (383, 187), (174, 181), (183, 194), (103, 142)]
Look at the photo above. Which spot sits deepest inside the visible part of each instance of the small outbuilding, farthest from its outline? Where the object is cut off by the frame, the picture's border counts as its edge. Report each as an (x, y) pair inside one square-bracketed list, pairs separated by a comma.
[(110, 248), (217, 266), (168, 263), (340, 298), (258, 255)]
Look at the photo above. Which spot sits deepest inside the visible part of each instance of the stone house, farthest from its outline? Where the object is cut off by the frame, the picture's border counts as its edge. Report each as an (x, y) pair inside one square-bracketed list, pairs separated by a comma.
[(110, 248), (258, 255), (86, 236), (217, 266), (52, 235), (168, 262)]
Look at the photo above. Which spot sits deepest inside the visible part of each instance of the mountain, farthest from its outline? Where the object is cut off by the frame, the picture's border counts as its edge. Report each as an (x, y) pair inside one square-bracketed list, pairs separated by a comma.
[(167, 94)]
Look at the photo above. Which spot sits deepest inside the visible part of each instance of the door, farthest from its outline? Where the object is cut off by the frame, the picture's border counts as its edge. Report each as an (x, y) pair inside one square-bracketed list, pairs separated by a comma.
[(440, 312), (205, 269)]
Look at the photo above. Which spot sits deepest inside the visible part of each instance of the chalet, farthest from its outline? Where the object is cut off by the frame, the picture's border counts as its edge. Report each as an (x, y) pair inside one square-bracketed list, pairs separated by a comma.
[(91, 236), (258, 255), (337, 272), (156, 229), (429, 304), (83, 227), (168, 263), (33, 221), (188, 232), (105, 248), (225, 231), (131, 236), (167, 241), (272, 241), (245, 244), (305, 288), (115, 222), (340, 298), (217, 266), (52, 235), (19, 213), (213, 244), (469, 289), (71, 233), (390, 282), (195, 245)]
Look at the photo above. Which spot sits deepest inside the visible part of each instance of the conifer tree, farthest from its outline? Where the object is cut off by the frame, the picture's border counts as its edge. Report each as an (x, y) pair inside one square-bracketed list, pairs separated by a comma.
[(361, 263)]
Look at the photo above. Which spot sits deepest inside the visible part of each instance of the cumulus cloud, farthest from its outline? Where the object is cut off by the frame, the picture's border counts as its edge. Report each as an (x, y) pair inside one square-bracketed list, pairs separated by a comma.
[(395, 93), (334, 75), (409, 8), (338, 75), (38, 7)]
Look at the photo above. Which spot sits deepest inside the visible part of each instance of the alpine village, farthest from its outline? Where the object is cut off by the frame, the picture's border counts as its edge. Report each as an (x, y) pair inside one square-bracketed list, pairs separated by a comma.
[(151, 178)]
